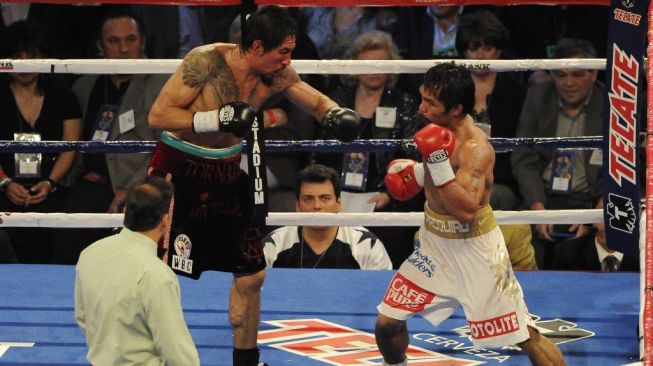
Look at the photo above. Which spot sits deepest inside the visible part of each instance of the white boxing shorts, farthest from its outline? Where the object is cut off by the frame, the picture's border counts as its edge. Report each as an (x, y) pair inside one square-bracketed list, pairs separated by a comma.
[(464, 264)]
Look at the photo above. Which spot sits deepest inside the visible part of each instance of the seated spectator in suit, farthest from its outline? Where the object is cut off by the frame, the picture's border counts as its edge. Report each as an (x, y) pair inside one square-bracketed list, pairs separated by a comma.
[(570, 105), (591, 253), (114, 108), (33, 108), (425, 32), (318, 190)]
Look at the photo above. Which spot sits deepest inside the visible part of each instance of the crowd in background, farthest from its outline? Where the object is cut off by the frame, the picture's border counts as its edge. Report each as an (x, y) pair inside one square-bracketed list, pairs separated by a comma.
[(560, 103)]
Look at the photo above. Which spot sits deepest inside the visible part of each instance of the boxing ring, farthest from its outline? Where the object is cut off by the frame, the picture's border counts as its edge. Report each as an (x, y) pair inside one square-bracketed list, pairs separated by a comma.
[(326, 317), (318, 317)]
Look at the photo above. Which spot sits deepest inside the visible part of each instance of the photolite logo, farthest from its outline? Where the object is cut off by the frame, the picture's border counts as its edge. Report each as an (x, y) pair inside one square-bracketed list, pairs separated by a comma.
[(405, 295), (495, 327), (336, 344)]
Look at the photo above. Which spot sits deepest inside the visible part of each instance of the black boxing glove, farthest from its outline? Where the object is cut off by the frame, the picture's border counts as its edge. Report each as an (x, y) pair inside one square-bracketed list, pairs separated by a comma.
[(343, 123), (234, 117)]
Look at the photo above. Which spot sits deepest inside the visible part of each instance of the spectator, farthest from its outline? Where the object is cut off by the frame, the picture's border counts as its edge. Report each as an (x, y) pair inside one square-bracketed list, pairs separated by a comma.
[(591, 253), (127, 301), (387, 112), (318, 190), (33, 108), (498, 96), (569, 105), (115, 108), (426, 32)]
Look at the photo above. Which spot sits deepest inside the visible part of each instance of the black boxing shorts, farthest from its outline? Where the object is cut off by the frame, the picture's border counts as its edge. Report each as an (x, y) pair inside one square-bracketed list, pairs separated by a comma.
[(213, 226)]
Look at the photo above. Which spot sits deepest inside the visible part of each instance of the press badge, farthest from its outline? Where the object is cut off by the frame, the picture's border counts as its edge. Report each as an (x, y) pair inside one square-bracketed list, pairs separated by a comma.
[(354, 170), (27, 165), (127, 121), (105, 118), (385, 117), (562, 171)]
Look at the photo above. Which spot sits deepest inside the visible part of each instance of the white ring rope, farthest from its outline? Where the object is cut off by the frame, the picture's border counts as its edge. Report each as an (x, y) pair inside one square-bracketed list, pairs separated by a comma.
[(341, 67), (94, 220), (350, 67)]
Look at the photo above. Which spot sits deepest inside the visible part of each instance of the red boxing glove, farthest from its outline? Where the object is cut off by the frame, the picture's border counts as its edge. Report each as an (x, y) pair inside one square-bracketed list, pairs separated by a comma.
[(436, 143), (404, 178)]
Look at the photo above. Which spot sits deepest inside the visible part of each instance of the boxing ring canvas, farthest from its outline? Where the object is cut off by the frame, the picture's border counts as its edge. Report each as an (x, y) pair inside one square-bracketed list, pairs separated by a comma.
[(326, 317)]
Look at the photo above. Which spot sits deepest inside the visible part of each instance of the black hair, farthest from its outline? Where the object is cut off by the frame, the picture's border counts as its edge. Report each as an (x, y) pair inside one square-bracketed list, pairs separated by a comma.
[(116, 12), (452, 84), (481, 28), (574, 48), (24, 36), (146, 203), (271, 25), (317, 173)]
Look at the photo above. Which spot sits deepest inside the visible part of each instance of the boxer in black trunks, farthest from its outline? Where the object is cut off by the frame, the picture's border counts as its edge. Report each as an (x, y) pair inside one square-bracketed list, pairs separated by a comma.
[(206, 108)]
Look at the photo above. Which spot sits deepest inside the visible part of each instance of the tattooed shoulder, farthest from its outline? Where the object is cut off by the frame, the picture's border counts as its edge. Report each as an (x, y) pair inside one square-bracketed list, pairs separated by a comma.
[(199, 66)]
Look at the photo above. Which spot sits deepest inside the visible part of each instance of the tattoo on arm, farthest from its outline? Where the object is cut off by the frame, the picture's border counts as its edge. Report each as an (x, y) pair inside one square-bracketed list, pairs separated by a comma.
[(198, 68)]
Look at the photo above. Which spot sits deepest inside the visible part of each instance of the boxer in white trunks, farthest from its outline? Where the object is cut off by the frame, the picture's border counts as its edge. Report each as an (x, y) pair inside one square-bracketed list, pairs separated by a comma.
[(461, 257)]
